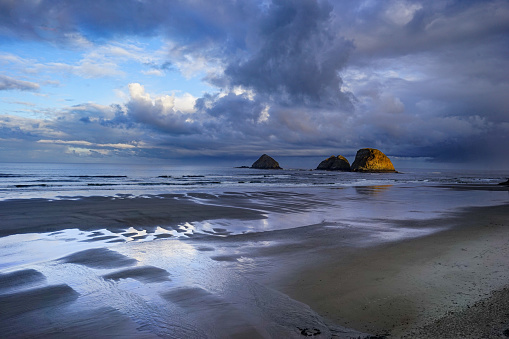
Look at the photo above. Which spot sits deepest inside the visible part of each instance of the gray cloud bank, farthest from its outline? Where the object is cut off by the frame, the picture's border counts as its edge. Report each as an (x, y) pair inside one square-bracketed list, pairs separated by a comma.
[(413, 78), (9, 83)]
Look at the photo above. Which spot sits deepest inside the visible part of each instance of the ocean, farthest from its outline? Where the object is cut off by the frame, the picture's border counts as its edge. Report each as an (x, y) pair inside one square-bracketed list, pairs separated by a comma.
[(54, 181)]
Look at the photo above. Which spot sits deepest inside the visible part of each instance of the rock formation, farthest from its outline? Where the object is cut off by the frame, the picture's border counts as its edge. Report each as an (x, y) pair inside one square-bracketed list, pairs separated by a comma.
[(265, 162), (333, 163), (505, 182), (372, 160)]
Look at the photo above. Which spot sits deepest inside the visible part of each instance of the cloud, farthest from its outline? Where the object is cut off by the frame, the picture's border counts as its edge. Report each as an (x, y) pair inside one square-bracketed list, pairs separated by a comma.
[(65, 21), (25, 128), (295, 58), (414, 78), (86, 143), (286, 47), (7, 83), (397, 28), (87, 69), (156, 72), (99, 61), (164, 112)]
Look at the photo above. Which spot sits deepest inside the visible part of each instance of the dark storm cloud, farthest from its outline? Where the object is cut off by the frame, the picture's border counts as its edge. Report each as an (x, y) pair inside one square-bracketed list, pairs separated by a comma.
[(295, 57), (9, 83), (397, 27), (430, 76)]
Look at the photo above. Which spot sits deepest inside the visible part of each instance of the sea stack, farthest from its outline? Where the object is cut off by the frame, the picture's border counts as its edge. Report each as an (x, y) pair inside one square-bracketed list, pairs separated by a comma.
[(333, 163), (265, 162), (372, 160)]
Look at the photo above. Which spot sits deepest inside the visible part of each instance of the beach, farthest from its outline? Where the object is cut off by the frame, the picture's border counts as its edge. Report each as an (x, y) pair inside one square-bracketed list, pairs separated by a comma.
[(407, 261)]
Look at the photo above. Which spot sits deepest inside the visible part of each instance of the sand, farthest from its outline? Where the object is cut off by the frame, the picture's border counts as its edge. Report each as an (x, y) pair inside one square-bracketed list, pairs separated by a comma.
[(398, 288), (115, 214), (279, 264)]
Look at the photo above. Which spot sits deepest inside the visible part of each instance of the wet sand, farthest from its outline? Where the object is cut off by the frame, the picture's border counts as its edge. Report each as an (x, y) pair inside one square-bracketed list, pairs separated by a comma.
[(115, 214), (167, 210), (397, 288), (444, 276)]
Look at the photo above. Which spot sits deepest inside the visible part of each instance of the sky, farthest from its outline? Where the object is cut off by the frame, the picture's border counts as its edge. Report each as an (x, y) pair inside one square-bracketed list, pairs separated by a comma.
[(174, 80)]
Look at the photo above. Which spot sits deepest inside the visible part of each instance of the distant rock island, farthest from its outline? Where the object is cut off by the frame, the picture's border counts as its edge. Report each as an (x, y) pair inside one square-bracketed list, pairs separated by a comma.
[(372, 160), (266, 162), (369, 160), (333, 163)]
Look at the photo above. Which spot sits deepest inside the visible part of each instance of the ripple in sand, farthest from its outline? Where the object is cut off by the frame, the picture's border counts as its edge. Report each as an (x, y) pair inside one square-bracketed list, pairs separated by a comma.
[(25, 301), (145, 274), (99, 258), (20, 279)]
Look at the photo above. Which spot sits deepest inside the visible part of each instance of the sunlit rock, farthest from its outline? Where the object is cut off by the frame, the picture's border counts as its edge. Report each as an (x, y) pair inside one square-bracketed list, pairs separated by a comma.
[(372, 160), (266, 162), (333, 163)]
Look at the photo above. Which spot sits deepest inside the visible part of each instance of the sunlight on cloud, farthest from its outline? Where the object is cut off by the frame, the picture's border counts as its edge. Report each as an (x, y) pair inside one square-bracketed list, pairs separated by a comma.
[(239, 91), (167, 103), (264, 115), (162, 112), (192, 62), (20, 125), (185, 103), (401, 12), (86, 152), (86, 143)]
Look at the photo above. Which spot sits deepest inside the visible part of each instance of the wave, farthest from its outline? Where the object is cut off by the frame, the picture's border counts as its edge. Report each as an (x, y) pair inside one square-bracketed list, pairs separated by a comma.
[(98, 176), (9, 175), (30, 185)]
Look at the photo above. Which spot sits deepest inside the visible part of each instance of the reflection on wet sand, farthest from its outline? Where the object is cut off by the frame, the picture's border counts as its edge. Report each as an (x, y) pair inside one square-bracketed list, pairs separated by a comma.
[(170, 290), (217, 275), (372, 190)]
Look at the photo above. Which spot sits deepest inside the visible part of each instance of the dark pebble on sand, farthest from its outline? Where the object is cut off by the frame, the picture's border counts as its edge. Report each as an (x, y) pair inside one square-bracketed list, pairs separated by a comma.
[(309, 332)]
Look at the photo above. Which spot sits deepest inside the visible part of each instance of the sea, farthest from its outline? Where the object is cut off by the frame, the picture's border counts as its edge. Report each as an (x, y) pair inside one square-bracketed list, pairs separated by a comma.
[(58, 181)]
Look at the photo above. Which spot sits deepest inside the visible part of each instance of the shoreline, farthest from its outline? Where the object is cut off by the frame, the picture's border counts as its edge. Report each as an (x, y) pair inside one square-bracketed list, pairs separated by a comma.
[(112, 213), (311, 252)]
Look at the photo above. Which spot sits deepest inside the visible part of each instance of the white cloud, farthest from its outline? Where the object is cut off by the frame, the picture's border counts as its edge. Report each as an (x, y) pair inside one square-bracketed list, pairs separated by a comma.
[(264, 115), (165, 104), (27, 126), (87, 143), (87, 69), (165, 112), (185, 103), (192, 62), (156, 72), (86, 152), (401, 12)]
